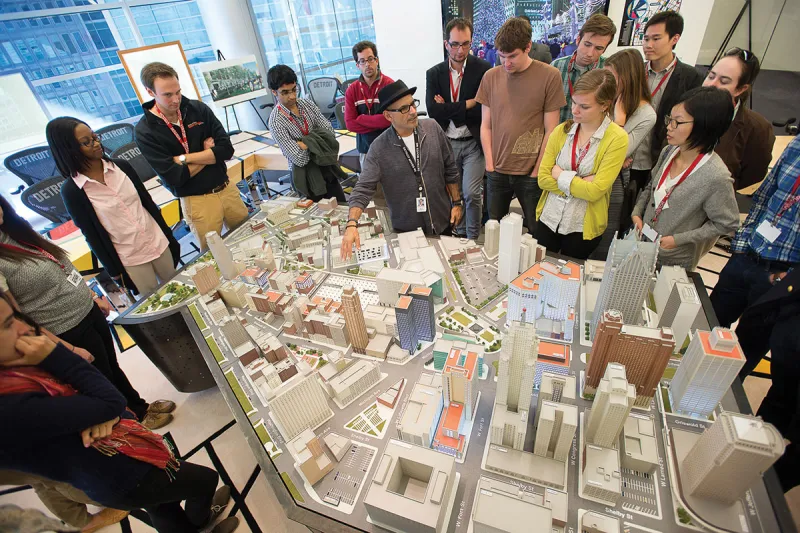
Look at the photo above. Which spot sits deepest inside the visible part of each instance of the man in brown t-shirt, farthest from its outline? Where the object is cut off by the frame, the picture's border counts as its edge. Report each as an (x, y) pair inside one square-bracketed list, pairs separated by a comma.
[(521, 100)]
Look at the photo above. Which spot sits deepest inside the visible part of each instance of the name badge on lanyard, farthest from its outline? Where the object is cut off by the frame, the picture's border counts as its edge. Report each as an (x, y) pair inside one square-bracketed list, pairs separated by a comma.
[(771, 231), (422, 201)]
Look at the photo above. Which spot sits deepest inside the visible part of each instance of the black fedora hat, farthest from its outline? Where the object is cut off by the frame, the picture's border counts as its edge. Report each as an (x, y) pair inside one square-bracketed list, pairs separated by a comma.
[(393, 92)]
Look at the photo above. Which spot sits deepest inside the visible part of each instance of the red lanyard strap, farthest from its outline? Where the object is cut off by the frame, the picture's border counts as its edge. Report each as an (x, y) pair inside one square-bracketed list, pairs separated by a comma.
[(304, 128), (685, 174), (182, 138), (569, 71), (36, 252), (453, 89), (663, 80), (371, 94), (790, 201), (577, 160)]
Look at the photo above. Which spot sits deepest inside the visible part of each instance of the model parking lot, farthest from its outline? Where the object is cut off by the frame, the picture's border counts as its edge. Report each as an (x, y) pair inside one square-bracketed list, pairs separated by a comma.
[(343, 483), (479, 282), (639, 492)]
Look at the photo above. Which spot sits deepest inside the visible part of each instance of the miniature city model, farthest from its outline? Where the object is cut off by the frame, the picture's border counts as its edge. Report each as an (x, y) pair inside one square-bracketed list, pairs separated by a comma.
[(419, 393)]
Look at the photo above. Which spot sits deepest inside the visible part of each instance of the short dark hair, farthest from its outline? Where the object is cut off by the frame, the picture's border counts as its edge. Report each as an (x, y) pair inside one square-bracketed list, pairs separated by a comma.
[(515, 33), (526, 18), (750, 69), (598, 24), (360, 46), (60, 134), (672, 21), (154, 70), (280, 75), (461, 24), (712, 111)]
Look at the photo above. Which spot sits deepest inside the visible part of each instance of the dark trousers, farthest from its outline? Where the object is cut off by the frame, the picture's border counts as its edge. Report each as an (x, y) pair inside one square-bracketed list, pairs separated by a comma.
[(333, 188), (740, 284), (641, 177), (572, 244), (161, 497), (93, 335), (502, 188)]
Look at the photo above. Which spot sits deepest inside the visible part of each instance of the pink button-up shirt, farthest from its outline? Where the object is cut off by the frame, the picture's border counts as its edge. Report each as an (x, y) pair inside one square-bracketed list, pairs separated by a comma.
[(136, 236)]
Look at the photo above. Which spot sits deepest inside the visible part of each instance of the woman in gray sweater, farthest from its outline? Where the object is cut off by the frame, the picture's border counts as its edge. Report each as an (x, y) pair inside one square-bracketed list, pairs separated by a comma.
[(689, 202)]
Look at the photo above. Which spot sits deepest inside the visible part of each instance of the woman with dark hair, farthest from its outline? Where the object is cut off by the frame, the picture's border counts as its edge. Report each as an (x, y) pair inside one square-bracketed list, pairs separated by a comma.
[(67, 423), (110, 205), (746, 148), (687, 219), (41, 282)]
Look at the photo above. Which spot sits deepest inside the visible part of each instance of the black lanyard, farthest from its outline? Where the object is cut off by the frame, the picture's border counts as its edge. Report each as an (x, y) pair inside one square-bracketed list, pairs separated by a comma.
[(413, 162)]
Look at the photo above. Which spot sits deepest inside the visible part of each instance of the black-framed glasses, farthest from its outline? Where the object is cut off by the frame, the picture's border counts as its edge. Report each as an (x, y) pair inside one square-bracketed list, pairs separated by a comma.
[(95, 139), (672, 123), (287, 92), (371, 60), (742, 53), (456, 45), (406, 108)]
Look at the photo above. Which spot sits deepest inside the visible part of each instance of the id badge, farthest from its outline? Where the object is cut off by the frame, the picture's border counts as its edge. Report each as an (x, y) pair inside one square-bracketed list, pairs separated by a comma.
[(649, 233), (75, 278), (422, 204), (768, 231)]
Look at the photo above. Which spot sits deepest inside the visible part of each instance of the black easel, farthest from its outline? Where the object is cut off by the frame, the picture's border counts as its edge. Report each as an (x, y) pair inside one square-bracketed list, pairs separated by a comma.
[(221, 57)]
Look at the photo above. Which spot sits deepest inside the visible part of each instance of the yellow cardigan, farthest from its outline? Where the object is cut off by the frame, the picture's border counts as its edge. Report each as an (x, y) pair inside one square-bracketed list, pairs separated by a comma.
[(607, 166)]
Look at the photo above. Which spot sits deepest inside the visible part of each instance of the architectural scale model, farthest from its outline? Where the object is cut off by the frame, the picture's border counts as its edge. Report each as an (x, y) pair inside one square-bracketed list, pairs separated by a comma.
[(446, 389)]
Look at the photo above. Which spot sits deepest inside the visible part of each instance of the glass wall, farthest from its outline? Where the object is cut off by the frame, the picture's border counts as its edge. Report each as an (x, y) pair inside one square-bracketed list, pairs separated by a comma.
[(314, 37)]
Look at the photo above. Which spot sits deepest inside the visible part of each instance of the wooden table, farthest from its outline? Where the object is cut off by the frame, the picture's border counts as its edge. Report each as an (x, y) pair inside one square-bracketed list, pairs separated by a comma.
[(781, 142)]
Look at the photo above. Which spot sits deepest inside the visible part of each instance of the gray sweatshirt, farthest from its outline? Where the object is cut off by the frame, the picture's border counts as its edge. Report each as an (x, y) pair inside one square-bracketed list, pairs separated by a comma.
[(701, 209), (386, 164)]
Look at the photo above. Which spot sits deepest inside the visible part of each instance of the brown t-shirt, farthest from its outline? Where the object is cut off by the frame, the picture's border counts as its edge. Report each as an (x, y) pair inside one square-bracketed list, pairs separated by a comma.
[(517, 103)]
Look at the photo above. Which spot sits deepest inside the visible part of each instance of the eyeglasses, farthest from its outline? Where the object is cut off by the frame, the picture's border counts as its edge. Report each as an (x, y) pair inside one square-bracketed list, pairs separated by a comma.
[(287, 92), (95, 139), (744, 54), (672, 123), (406, 108), (371, 60), (456, 45)]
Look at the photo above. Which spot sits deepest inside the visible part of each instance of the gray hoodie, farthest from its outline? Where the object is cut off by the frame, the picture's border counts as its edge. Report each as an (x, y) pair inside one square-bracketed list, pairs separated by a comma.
[(386, 164)]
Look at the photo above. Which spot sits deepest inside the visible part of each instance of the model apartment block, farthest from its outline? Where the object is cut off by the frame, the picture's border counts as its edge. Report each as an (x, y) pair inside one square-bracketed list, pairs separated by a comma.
[(418, 423), (299, 404)]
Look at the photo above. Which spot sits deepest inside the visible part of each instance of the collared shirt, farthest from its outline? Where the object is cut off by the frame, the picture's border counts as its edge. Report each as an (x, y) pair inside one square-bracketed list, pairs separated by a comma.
[(643, 154), (767, 202), (285, 128), (454, 132), (136, 236), (671, 181), (574, 73)]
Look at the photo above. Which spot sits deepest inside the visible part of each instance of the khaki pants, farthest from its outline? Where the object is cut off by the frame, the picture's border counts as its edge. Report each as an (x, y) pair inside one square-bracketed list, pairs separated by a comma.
[(208, 212), (63, 500), (150, 275)]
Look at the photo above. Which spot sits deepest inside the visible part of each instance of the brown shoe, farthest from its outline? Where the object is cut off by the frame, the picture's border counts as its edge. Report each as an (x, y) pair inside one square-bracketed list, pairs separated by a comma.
[(156, 420), (106, 517), (228, 525), (161, 406)]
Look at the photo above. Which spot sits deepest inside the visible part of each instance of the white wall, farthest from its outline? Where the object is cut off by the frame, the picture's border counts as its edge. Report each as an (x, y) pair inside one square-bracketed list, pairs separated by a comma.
[(695, 14), (408, 34)]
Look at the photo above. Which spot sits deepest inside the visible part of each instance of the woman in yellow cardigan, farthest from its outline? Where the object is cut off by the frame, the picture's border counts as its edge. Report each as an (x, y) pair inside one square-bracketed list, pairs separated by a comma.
[(582, 159)]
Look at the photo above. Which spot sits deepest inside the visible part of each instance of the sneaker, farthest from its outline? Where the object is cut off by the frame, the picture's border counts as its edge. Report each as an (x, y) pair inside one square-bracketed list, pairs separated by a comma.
[(161, 406), (219, 503), (228, 525), (156, 420), (106, 517)]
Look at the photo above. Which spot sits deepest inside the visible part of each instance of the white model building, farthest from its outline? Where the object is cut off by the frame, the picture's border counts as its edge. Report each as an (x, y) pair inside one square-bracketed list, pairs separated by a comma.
[(278, 209), (413, 489), (234, 332), (504, 508), (626, 279), (680, 311), (205, 278), (419, 420), (730, 457), (223, 256), (510, 237), (491, 240), (594, 522), (638, 444), (601, 476), (530, 252), (356, 378), (557, 423), (410, 242), (553, 388), (612, 404), (391, 280), (311, 458), (299, 404), (666, 278), (372, 249), (337, 444), (217, 309), (711, 363), (460, 379), (234, 293)]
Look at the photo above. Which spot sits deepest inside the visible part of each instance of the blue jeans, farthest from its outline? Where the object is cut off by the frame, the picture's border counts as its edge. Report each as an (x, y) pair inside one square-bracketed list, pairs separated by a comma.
[(740, 284), (503, 187), (469, 160)]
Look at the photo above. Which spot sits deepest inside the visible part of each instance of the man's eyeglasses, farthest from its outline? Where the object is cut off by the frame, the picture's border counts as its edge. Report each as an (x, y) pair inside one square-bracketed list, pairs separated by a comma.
[(371, 60), (456, 45), (95, 139), (672, 123), (287, 92), (406, 108)]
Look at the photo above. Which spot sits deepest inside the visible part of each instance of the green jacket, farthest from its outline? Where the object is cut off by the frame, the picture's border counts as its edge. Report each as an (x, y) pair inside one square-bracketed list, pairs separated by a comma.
[(324, 152)]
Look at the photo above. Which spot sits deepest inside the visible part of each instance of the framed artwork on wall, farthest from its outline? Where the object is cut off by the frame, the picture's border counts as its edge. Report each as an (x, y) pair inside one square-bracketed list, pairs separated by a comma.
[(170, 53)]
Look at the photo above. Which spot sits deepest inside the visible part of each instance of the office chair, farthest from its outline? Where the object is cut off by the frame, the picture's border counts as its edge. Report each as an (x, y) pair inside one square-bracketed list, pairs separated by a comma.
[(323, 92), (31, 165), (115, 136), (132, 154), (44, 198), (338, 110)]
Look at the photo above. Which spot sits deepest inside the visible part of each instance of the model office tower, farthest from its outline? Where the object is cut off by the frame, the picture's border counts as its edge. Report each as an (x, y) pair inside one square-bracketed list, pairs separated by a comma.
[(711, 363), (554, 388), (645, 353), (206, 278), (629, 268), (610, 408), (510, 237), (234, 332), (354, 319), (415, 318), (555, 429), (730, 456), (299, 404), (222, 255), (491, 241), (677, 307)]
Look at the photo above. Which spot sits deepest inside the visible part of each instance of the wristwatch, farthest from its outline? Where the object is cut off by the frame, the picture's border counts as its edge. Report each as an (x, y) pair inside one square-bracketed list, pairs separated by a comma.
[(458, 202), (182, 159)]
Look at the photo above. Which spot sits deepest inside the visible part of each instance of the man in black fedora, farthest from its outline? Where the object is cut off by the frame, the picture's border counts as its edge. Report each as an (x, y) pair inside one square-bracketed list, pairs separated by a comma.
[(414, 163)]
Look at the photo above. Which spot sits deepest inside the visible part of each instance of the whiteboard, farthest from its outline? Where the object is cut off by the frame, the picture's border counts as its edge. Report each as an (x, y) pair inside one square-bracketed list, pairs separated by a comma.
[(22, 117), (170, 53)]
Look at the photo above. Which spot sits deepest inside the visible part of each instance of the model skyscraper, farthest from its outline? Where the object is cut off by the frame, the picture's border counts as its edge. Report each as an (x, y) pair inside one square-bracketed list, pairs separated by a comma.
[(223, 256), (555, 429), (415, 319), (612, 404), (354, 319), (491, 241), (510, 237), (680, 311)]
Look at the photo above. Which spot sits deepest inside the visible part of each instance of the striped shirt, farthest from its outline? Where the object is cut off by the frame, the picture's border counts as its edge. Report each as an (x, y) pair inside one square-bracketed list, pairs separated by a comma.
[(574, 73), (286, 131)]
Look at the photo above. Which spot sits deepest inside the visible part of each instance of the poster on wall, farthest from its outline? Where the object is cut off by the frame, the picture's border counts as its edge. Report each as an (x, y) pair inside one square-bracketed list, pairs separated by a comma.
[(233, 81), (635, 16), (170, 53), (22, 117), (554, 22)]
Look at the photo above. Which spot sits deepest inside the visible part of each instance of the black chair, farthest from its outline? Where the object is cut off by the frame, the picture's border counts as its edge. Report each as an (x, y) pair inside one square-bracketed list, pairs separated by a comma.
[(133, 155), (44, 198), (31, 165), (347, 83), (323, 92), (115, 136), (338, 110)]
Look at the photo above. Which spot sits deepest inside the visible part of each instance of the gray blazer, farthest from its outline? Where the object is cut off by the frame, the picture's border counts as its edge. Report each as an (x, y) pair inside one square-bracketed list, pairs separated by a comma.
[(701, 209), (386, 164)]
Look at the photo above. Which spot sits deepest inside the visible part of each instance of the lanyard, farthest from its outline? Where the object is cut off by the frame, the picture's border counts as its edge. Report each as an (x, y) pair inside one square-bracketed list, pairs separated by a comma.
[(304, 128), (369, 97), (685, 174), (663, 80), (569, 71), (182, 137), (576, 160), (40, 252), (453, 89), (790, 201), (414, 163)]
